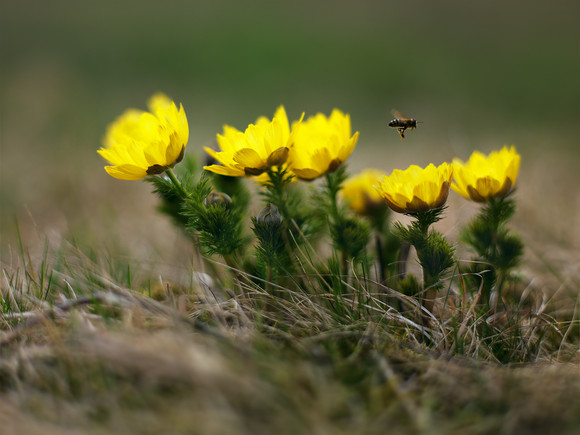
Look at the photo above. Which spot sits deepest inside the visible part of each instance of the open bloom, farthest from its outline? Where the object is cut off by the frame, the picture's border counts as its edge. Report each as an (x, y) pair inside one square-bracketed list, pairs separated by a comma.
[(485, 177), (263, 145), (321, 144), (416, 190), (360, 193), (141, 143)]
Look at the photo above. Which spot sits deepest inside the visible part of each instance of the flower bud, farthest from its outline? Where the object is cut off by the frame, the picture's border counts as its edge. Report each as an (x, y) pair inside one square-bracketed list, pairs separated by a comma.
[(216, 198), (269, 215)]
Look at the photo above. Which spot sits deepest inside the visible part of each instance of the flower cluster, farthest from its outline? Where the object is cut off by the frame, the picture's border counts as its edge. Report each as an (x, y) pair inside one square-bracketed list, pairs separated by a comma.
[(309, 149), (275, 152), (281, 248), (417, 190), (422, 193)]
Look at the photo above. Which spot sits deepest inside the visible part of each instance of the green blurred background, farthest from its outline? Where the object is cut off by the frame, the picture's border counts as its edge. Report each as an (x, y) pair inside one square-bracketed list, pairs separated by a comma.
[(478, 74)]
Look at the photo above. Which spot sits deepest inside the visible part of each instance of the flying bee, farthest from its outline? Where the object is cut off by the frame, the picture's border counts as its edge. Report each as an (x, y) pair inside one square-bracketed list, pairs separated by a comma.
[(402, 123)]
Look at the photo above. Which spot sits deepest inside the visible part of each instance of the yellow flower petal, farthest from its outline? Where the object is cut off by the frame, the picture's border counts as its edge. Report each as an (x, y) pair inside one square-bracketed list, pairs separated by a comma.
[(225, 170), (126, 172), (251, 161), (306, 174), (158, 103), (278, 157), (320, 160)]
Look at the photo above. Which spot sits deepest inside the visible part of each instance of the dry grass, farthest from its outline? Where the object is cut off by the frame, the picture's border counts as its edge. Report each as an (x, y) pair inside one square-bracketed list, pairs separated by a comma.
[(80, 352)]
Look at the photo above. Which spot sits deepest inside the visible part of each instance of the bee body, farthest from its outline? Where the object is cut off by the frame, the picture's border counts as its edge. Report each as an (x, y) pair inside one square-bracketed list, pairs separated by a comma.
[(401, 123), (407, 123)]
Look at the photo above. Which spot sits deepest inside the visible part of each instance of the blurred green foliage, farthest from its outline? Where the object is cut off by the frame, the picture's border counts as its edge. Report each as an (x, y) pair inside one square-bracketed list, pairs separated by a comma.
[(512, 64), (479, 75)]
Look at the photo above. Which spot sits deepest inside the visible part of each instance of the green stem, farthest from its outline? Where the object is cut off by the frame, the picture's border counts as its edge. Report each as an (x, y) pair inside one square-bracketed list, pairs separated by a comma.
[(176, 183), (277, 189), (434, 253), (268, 286), (402, 258), (499, 282), (279, 197), (344, 265), (332, 191), (333, 181), (380, 259), (232, 263), (495, 215)]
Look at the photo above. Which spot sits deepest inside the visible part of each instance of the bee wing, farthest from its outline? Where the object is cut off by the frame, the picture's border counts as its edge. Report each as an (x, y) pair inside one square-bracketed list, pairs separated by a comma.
[(398, 115)]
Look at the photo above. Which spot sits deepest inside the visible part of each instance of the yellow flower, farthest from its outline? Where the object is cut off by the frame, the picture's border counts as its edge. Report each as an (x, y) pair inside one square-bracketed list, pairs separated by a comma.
[(360, 193), (485, 177), (321, 144), (263, 145), (141, 143), (416, 190)]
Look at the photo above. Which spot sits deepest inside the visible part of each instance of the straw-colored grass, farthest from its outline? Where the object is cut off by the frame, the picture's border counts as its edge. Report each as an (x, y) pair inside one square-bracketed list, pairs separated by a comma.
[(81, 352)]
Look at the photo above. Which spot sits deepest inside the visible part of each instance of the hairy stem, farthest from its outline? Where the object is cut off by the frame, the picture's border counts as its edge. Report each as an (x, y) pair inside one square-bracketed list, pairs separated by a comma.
[(177, 183)]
